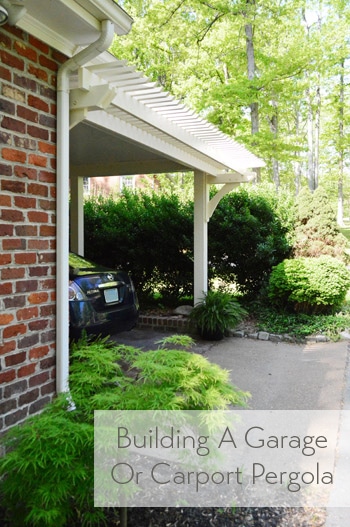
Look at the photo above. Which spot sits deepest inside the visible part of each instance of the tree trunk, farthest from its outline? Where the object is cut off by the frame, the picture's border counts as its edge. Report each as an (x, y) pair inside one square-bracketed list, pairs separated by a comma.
[(297, 176), (317, 118), (310, 121), (310, 142), (297, 164), (251, 70), (274, 131), (340, 211), (317, 134), (226, 73)]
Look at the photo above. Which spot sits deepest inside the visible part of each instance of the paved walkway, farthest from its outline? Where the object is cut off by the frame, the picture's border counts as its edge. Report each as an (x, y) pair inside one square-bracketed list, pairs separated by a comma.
[(282, 376)]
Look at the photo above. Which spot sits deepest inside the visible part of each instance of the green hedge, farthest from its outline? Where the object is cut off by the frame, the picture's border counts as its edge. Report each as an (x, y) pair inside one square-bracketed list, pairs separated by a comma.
[(246, 239), (309, 285), (151, 237)]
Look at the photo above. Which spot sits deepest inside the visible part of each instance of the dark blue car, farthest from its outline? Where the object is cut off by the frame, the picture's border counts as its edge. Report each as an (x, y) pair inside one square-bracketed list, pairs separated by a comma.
[(101, 301)]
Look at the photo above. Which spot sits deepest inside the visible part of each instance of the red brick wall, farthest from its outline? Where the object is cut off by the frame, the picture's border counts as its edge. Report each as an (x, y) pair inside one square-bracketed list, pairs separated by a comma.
[(28, 70)]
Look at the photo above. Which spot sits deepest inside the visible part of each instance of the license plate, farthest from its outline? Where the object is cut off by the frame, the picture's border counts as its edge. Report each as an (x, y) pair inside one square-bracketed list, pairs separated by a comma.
[(111, 295)]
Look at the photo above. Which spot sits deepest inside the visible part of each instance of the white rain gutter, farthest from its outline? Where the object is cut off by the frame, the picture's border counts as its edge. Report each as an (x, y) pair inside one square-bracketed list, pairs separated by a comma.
[(62, 235)]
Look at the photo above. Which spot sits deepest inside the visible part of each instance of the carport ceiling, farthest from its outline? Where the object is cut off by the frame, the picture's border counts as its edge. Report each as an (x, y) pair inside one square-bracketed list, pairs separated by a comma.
[(96, 151)]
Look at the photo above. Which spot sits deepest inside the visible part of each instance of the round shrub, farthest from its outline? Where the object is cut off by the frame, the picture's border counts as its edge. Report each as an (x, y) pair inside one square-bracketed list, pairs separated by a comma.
[(246, 239), (309, 285)]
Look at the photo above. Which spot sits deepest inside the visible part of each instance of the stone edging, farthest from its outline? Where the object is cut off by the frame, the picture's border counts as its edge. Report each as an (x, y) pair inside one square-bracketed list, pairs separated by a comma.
[(178, 323), (264, 335)]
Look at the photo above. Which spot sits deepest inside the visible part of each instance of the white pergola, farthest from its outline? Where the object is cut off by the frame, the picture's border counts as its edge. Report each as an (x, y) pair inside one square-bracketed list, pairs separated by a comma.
[(111, 120), (121, 124)]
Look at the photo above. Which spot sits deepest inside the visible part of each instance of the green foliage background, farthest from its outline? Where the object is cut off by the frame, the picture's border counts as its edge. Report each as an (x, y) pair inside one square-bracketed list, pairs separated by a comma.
[(316, 229), (197, 51)]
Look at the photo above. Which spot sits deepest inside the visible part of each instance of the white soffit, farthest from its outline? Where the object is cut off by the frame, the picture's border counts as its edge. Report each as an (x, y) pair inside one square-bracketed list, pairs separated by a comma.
[(145, 107), (68, 25)]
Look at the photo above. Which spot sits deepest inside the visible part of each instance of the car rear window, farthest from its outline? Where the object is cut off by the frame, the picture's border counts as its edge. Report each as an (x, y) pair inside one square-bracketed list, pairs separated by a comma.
[(78, 265)]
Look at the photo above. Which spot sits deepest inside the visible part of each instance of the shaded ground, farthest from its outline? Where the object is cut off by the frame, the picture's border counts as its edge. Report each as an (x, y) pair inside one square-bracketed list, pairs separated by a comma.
[(212, 517), (279, 375)]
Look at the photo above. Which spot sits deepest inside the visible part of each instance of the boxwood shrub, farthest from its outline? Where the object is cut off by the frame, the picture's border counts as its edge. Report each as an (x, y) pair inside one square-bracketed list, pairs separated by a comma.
[(309, 285)]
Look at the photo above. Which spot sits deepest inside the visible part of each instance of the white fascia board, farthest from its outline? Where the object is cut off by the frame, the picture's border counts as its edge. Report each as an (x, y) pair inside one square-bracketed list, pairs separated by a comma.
[(42, 32), (53, 35), (145, 139), (81, 12), (231, 177)]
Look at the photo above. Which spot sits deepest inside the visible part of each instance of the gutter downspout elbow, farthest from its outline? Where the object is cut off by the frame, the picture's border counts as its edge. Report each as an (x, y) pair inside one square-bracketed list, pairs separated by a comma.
[(62, 219)]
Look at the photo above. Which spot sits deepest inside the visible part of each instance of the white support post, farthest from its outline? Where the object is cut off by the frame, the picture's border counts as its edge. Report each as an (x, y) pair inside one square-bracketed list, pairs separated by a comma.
[(77, 214), (201, 199)]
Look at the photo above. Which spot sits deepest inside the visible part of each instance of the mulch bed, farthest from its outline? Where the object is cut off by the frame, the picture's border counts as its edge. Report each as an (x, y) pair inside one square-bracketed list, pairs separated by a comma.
[(219, 517)]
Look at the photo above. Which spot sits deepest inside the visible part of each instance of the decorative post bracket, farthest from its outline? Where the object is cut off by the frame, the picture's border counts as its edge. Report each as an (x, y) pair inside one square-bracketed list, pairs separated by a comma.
[(90, 94), (230, 181)]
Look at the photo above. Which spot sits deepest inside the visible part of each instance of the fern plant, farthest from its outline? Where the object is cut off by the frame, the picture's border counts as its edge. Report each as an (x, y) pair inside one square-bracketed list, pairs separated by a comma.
[(47, 475), (217, 312)]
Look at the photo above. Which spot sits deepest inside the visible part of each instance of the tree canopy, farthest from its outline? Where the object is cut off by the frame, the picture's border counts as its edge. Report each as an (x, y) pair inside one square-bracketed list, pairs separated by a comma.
[(271, 73)]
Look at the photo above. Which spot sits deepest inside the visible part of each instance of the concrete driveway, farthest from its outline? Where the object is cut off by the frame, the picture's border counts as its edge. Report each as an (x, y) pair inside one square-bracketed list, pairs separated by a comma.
[(284, 376), (281, 376)]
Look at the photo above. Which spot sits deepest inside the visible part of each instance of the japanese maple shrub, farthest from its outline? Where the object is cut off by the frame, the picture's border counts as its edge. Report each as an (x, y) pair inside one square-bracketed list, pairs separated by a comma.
[(47, 475)]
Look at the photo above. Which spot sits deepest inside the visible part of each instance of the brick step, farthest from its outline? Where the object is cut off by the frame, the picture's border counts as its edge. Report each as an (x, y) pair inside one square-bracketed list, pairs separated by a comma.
[(175, 323)]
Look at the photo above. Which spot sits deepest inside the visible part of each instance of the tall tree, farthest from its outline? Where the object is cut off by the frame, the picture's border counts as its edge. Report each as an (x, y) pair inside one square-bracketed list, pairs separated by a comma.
[(341, 153), (252, 71)]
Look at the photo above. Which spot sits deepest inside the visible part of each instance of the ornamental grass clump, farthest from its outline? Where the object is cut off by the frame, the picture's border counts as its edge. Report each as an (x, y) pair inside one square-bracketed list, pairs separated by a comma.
[(47, 474), (217, 312), (309, 285)]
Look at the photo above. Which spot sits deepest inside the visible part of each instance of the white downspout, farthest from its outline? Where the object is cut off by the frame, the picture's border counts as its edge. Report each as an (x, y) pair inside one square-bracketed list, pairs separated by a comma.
[(62, 234)]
